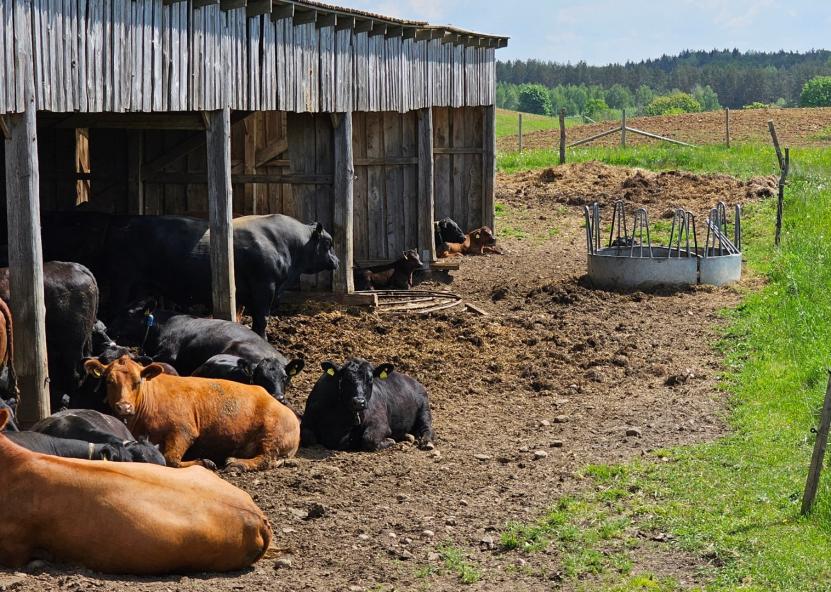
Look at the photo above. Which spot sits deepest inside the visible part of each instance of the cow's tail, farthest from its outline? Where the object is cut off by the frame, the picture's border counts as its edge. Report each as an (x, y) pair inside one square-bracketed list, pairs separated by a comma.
[(9, 361)]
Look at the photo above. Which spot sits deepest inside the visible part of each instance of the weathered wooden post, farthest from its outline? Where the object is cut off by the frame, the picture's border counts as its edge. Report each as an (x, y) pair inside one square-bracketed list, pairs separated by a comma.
[(784, 167), (25, 251), (220, 213), (344, 212), (623, 128), (426, 196), (727, 126), (562, 136), (520, 131), (819, 453), (488, 164)]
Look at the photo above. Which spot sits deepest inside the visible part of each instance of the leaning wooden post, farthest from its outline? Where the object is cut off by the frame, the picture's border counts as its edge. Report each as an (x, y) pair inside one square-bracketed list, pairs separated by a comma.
[(25, 252), (426, 196), (562, 136), (520, 131), (220, 213), (623, 128), (776, 147), (780, 201), (727, 126), (819, 452), (488, 164), (343, 279)]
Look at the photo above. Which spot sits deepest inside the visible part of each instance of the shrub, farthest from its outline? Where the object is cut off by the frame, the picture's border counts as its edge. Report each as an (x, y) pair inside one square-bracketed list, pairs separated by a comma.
[(677, 102), (535, 98), (756, 105), (816, 92), (596, 106)]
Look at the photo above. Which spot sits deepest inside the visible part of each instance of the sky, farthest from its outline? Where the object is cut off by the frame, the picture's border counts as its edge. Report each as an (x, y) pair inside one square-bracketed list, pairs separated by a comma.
[(607, 31)]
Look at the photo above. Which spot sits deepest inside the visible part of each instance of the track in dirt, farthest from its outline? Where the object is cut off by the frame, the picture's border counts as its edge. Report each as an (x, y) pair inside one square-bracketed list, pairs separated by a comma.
[(795, 127), (555, 367)]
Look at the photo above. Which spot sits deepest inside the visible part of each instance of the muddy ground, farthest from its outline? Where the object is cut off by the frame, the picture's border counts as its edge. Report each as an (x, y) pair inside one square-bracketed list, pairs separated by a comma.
[(794, 127), (554, 367)]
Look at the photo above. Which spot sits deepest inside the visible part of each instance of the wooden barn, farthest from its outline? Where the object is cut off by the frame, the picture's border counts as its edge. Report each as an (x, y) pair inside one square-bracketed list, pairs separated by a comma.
[(374, 126)]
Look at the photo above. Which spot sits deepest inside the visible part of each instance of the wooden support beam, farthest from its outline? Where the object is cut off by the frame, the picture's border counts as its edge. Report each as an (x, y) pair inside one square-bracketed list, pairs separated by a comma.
[(258, 7), (201, 178), (180, 150), (135, 172), (344, 214), (270, 151), (25, 251), (488, 165), (220, 213), (426, 197), (161, 121)]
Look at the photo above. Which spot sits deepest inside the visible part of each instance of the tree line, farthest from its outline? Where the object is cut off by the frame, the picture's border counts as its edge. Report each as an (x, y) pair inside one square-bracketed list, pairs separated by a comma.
[(736, 78)]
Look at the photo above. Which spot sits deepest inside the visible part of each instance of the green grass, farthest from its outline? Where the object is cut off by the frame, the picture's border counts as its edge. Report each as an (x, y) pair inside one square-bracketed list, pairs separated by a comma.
[(455, 562), (734, 503), (824, 135), (507, 123)]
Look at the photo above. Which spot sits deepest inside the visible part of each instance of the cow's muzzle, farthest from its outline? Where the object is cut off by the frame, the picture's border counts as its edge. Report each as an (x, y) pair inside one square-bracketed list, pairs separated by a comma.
[(124, 409)]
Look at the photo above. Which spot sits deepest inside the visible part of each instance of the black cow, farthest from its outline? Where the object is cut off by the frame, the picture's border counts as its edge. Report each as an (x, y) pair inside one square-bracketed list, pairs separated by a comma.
[(10, 404), (358, 407), (37, 442), (189, 342), (265, 373), (91, 426), (398, 274), (447, 231), (71, 297)]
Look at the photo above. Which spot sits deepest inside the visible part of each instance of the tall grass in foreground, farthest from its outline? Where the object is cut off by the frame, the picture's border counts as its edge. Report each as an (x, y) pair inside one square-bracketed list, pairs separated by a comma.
[(735, 502)]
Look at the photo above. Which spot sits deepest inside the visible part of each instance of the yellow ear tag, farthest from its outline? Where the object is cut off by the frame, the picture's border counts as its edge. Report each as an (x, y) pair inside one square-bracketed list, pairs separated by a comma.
[(476, 236), (292, 372), (330, 372), (383, 375), (96, 372)]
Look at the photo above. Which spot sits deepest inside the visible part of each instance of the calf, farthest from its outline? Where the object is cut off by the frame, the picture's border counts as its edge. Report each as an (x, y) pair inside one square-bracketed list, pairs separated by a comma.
[(397, 275), (188, 342), (477, 242), (358, 407), (124, 518), (214, 420), (91, 426), (447, 231)]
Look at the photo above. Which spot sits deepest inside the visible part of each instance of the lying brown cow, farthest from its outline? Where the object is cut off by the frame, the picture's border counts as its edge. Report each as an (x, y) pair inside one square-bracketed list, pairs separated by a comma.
[(477, 242), (389, 275), (124, 518), (216, 420)]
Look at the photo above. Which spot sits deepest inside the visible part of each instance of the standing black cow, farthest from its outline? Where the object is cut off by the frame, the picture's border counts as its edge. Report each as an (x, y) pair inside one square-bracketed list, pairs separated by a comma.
[(358, 407), (71, 296), (189, 343), (91, 426)]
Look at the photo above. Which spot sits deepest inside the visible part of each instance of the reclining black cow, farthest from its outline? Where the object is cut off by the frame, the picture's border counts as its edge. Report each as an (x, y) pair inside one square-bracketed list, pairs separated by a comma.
[(67, 448), (71, 298), (191, 343), (358, 407), (91, 426), (447, 231)]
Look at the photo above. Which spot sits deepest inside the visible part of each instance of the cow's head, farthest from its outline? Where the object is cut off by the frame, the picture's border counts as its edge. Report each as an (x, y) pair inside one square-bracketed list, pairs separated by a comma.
[(483, 236), (450, 231), (134, 324), (354, 381), (9, 406), (411, 260), (143, 451), (320, 255), (274, 377), (124, 379)]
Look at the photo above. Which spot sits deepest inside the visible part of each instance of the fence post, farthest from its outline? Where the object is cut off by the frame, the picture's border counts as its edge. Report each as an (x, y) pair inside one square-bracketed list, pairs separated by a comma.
[(520, 131), (562, 136), (727, 126), (819, 453), (623, 128)]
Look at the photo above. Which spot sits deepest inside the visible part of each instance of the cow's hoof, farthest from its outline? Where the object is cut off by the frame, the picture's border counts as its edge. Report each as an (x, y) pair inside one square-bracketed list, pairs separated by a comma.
[(208, 464), (427, 445), (233, 468)]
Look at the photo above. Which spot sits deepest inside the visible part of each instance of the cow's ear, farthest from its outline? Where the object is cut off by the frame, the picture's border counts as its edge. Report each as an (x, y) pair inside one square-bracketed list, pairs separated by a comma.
[(94, 367), (152, 371), (330, 368), (316, 232), (294, 367), (383, 371), (246, 367), (476, 236), (144, 360), (5, 416)]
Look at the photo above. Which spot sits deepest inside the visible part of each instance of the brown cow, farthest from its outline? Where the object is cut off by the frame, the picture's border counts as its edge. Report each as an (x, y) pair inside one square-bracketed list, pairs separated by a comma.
[(477, 242), (7, 346), (398, 274), (216, 420), (124, 518)]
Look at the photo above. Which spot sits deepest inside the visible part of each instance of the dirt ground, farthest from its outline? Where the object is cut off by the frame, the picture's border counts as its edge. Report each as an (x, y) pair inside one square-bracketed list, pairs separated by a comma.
[(794, 127), (551, 379)]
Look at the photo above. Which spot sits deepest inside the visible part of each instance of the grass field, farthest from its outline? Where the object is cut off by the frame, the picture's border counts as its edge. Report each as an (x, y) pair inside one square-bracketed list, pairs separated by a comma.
[(733, 502), (507, 123)]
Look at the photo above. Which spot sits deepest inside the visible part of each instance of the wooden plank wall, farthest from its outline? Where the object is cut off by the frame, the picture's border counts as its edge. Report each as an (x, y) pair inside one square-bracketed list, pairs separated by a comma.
[(458, 158), (125, 55), (386, 184)]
